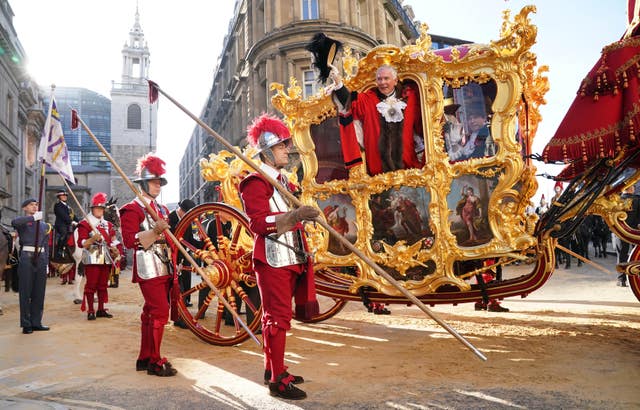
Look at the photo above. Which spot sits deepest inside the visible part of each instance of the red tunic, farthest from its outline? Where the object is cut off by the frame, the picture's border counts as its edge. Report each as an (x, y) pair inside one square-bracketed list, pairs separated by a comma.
[(256, 192), (132, 215), (108, 234)]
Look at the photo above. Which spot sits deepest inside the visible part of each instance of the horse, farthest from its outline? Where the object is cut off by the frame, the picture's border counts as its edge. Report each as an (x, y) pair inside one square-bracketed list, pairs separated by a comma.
[(8, 260), (112, 214), (61, 260)]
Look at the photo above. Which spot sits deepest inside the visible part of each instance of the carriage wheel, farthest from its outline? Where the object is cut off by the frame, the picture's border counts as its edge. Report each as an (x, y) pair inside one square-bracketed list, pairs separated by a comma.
[(223, 246), (329, 307), (634, 280)]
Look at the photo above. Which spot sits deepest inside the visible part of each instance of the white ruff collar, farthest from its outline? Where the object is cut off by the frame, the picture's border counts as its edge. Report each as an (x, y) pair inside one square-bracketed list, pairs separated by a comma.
[(391, 108)]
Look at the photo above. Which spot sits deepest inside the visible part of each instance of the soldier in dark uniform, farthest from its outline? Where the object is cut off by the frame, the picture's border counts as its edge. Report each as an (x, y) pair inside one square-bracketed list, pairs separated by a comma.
[(66, 220), (32, 265), (184, 276)]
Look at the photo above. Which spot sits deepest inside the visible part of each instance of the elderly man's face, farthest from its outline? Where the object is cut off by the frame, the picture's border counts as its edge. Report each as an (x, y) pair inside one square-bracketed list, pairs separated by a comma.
[(386, 81)]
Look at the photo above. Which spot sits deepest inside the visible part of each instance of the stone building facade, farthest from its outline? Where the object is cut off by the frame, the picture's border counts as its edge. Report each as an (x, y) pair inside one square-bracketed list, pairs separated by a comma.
[(265, 44), (134, 120), (21, 122)]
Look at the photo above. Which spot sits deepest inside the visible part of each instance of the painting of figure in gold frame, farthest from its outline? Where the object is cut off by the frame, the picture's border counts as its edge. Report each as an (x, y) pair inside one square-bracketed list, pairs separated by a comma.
[(340, 214), (468, 201), (400, 214)]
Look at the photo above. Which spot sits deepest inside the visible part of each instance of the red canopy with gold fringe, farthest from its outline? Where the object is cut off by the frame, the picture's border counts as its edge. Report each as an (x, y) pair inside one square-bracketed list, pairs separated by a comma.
[(605, 116), (604, 119)]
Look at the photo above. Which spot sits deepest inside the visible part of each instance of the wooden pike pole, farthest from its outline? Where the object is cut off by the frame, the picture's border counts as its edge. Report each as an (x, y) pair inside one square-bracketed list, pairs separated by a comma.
[(167, 232), (283, 191), (582, 258)]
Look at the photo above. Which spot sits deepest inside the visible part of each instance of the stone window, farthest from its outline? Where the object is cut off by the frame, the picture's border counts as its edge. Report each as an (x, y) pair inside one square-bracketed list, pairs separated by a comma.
[(9, 113), (310, 10), (309, 83), (9, 169), (134, 117)]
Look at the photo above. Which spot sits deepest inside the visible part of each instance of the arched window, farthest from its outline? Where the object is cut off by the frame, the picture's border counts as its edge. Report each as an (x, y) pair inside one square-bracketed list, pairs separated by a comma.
[(134, 117), (310, 10)]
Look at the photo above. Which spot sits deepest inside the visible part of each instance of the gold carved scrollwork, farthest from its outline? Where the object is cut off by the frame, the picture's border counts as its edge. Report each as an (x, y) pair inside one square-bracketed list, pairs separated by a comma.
[(425, 264), (613, 209)]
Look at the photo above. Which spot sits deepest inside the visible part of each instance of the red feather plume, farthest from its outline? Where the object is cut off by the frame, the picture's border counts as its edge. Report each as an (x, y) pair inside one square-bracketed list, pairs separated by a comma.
[(264, 123), (99, 199), (152, 164)]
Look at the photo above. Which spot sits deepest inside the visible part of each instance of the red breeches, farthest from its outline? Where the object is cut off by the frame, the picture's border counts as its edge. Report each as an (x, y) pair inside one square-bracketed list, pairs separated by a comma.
[(276, 287), (97, 280), (155, 314)]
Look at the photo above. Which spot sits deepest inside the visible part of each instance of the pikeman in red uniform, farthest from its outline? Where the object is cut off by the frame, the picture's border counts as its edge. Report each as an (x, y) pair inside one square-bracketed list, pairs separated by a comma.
[(279, 252), (101, 251), (152, 268)]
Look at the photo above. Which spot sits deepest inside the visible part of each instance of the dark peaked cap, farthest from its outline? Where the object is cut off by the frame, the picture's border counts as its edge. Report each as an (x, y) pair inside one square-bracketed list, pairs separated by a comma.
[(28, 201), (186, 205), (324, 50)]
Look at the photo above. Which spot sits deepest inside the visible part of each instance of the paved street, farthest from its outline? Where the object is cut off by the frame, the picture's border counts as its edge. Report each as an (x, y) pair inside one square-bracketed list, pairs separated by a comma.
[(571, 344)]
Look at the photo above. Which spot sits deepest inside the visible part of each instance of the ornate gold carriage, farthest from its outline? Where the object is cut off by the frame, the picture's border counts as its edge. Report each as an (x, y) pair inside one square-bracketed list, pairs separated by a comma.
[(432, 228)]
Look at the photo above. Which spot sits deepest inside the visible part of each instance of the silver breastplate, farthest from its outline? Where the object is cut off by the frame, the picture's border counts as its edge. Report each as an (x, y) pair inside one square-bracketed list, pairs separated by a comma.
[(286, 249), (96, 254), (154, 261)]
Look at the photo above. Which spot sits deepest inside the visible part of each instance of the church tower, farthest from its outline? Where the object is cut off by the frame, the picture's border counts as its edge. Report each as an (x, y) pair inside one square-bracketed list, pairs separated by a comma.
[(133, 120)]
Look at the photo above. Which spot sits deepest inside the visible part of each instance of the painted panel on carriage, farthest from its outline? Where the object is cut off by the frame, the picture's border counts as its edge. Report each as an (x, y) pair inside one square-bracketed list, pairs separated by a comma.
[(400, 214), (467, 121), (468, 202), (341, 216)]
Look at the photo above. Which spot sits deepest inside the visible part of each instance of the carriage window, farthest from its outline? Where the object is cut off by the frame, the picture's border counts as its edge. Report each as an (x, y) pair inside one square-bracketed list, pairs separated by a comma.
[(468, 201), (387, 129), (326, 138), (467, 121), (522, 132)]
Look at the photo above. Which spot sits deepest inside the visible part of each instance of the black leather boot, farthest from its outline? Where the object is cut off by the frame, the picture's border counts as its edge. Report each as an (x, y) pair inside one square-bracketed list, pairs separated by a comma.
[(284, 388)]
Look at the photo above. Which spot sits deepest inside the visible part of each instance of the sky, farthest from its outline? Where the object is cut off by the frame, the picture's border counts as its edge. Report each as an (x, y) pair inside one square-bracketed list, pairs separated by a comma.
[(78, 43)]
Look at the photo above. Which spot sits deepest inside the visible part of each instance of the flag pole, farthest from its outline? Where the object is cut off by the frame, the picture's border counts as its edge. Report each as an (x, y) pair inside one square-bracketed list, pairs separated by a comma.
[(41, 188), (40, 195), (283, 191), (167, 232)]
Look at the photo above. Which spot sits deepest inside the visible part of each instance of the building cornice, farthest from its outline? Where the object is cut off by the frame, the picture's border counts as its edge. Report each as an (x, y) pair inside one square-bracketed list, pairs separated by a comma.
[(283, 35)]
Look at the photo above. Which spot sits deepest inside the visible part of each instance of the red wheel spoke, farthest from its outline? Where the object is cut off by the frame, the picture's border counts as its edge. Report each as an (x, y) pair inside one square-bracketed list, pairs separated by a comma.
[(243, 296), (235, 239), (194, 289), (206, 239)]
